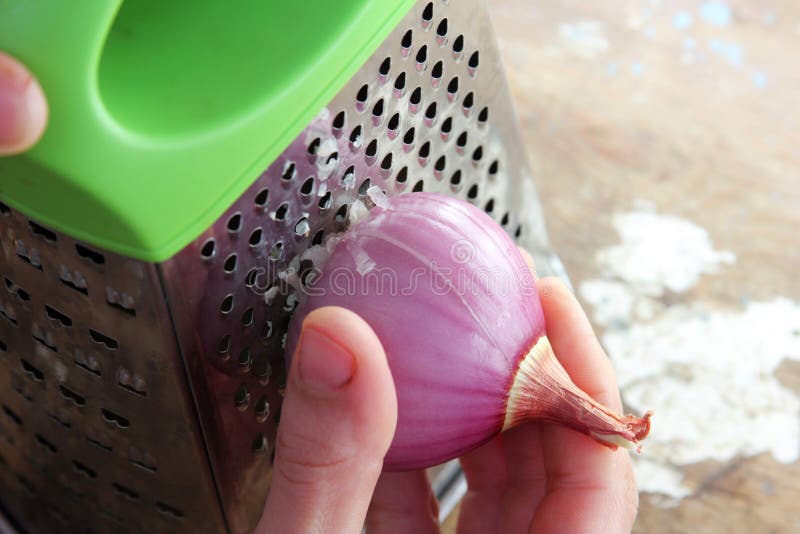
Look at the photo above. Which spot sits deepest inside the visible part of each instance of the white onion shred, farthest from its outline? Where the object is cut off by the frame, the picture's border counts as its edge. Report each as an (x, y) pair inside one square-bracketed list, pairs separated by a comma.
[(378, 197)]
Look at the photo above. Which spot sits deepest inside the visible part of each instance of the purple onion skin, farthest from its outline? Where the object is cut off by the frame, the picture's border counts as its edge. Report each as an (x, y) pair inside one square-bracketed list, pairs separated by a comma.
[(455, 307)]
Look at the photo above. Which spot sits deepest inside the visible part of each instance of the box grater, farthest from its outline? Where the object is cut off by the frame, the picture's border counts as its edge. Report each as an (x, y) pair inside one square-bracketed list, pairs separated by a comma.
[(142, 394)]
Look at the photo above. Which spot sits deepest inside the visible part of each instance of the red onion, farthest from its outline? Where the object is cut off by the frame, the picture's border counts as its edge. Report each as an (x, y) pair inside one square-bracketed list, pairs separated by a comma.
[(455, 306)]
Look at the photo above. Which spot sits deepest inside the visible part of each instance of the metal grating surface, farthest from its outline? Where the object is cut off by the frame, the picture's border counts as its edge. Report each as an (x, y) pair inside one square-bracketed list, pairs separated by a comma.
[(99, 422), (429, 110)]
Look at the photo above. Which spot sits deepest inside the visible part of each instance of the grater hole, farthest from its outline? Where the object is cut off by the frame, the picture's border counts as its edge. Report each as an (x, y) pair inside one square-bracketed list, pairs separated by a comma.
[(455, 180), (241, 397), (339, 120), (289, 169), (349, 177), (458, 46), (461, 141), (208, 249), (230, 263), (261, 198), (252, 277), (76, 398), (308, 186), (224, 345), (447, 126), (364, 187), (313, 146), (29, 256), (93, 439), (394, 123), (472, 194), (489, 208), (355, 138), (262, 409), (227, 305), (494, 167), (441, 29), (408, 138), (169, 511), (402, 175), (45, 444), (9, 315), (483, 116), (452, 86), (518, 231), (254, 240), (12, 415), (235, 223), (386, 164), (437, 72), (84, 470), (405, 42), (440, 164), (377, 109), (266, 330), (245, 360), (318, 237), (416, 97), (427, 13), (385, 66), (422, 57), (141, 459), (340, 218), (472, 63), (372, 149), (89, 254), (418, 186), (115, 418), (425, 150), (6, 211), (247, 317), (125, 492), (477, 154), (430, 112), (302, 228), (259, 443), (504, 219), (33, 372), (468, 102), (361, 97), (41, 231), (276, 252), (103, 339), (22, 295), (280, 213), (60, 419), (400, 84)]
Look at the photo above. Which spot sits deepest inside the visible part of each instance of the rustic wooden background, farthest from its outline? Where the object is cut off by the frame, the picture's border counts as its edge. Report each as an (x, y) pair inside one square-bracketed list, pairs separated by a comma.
[(714, 142)]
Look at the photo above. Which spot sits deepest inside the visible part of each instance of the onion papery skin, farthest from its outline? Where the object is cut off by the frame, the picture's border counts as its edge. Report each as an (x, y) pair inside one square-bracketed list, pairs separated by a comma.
[(455, 307)]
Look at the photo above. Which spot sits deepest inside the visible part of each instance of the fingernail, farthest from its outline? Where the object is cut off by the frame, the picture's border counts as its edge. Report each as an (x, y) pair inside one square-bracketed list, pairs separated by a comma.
[(23, 109), (324, 365)]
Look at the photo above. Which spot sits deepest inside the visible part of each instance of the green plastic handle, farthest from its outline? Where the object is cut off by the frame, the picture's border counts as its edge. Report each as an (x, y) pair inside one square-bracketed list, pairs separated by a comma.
[(163, 112)]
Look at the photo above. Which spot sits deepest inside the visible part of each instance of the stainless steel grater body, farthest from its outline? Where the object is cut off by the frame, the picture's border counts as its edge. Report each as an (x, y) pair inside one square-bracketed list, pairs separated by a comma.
[(141, 397)]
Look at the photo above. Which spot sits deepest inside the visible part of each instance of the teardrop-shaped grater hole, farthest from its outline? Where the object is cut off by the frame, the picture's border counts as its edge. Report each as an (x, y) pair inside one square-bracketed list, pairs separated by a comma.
[(402, 175), (244, 360), (424, 152), (41, 231), (89, 254), (406, 42), (349, 178), (430, 112), (280, 213), (255, 237), (103, 339), (302, 228), (318, 237), (377, 109), (468, 103), (472, 194), (276, 252), (427, 15), (252, 277), (340, 217), (455, 181), (371, 152), (477, 154), (308, 186), (241, 397), (325, 202), (418, 186), (440, 164), (447, 127), (235, 223), (262, 409), (55, 315), (422, 58), (227, 305), (384, 68), (290, 169), (494, 167), (261, 198), (248, 317), (472, 63), (458, 47), (230, 264), (224, 345), (415, 99), (313, 146), (364, 187), (518, 232), (452, 88), (483, 116), (266, 330), (386, 164), (504, 219), (115, 418), (399, 85), (259, 444), (436, 73), (339, 121), (441, 29), (355, 138), (393, 125), (461, 141), (489, 208), (408, 138), (361, 98)]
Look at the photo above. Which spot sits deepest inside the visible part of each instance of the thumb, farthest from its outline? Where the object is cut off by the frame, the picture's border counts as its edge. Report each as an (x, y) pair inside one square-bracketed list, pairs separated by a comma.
[(338, 419), (23, 107)]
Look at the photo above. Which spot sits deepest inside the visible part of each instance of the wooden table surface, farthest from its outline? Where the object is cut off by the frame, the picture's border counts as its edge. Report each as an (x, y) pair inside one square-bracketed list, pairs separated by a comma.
[(693, 106)]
